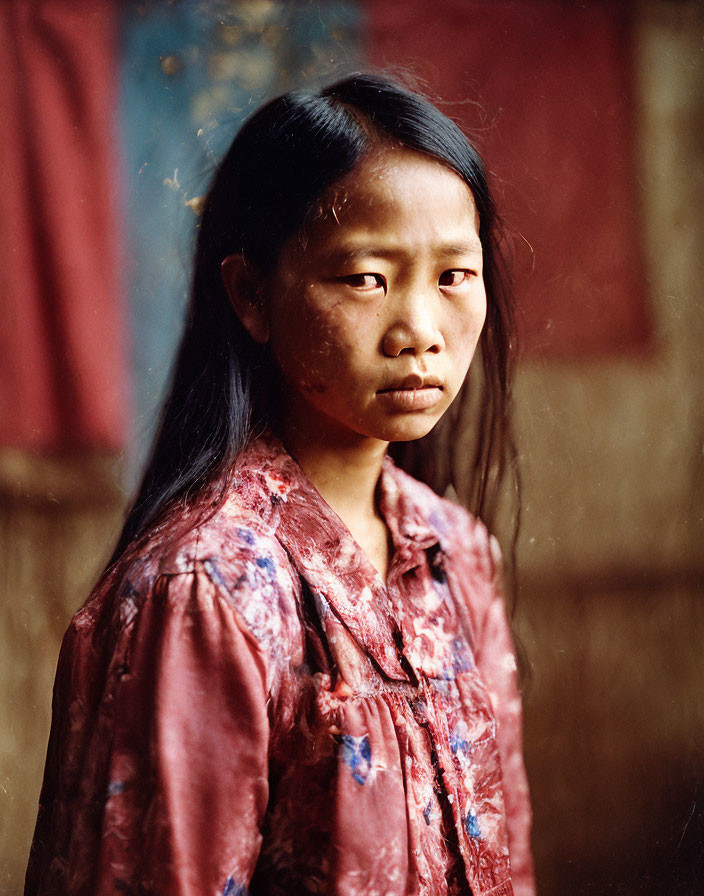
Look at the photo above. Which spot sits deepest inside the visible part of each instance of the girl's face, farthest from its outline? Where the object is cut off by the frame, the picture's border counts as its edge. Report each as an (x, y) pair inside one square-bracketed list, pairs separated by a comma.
[(373, 317)]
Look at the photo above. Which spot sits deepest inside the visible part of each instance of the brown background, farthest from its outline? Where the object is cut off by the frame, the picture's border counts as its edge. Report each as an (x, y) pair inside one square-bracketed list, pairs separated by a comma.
[(611, 555)]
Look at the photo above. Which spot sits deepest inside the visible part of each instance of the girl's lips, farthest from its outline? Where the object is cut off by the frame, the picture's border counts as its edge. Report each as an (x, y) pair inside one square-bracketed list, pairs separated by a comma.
[(410, 399)]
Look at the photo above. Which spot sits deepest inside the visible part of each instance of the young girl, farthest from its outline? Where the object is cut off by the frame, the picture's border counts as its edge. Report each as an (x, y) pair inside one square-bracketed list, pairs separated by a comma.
[(296, 675)]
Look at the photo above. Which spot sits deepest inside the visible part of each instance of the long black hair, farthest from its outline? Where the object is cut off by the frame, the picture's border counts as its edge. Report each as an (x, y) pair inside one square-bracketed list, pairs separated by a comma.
[(279, 164)]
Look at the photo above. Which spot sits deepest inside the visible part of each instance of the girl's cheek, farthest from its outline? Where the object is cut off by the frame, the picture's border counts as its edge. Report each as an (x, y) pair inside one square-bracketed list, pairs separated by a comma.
[(312, 356), (464, 328), (474, 316)]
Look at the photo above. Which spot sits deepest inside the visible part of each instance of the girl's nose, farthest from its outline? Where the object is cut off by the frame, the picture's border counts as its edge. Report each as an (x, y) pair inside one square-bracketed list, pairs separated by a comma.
[(414, 332)]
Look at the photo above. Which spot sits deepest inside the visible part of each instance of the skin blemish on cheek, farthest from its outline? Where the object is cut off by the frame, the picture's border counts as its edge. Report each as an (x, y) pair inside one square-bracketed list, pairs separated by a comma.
[(315, 388)]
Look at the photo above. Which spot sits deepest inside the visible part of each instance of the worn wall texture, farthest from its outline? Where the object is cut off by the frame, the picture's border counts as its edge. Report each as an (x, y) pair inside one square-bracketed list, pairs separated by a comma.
[(612, 548), (611, 609)]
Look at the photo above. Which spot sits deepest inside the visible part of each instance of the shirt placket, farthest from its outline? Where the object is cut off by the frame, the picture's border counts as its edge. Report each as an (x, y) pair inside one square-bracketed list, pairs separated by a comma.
[(411, 558), (430, 711)]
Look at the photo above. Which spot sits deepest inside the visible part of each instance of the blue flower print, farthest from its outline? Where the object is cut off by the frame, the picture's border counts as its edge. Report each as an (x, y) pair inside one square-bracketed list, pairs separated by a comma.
[(232, 888), (471, 822), (357, 753), (115, 788), (461, 656), (211, 567), (246, 536), (437, 521), (267, 564), (458, 740)]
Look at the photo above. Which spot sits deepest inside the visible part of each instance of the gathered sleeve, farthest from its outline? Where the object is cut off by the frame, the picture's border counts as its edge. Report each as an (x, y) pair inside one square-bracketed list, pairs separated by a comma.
[(156, 776), (496, 660)]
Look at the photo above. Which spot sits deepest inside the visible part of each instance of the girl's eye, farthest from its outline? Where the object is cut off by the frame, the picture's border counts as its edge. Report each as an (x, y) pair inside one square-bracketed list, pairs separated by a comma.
[(455, 277), (365, 281)]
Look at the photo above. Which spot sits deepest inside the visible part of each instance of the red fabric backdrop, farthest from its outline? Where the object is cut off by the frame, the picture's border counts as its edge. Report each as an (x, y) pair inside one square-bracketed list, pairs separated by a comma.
[(63, 372), (556, 82)]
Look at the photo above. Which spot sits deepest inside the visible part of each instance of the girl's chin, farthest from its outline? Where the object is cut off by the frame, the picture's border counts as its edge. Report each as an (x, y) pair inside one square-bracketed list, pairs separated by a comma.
[(407, 430), (323, 427)]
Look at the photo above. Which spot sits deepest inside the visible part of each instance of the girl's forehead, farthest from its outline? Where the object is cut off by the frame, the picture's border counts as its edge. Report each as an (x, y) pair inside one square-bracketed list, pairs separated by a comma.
[(394, 182)]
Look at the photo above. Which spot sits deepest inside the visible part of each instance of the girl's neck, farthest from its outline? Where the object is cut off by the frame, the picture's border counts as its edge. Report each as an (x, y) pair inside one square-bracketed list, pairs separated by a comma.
[(345, 470)]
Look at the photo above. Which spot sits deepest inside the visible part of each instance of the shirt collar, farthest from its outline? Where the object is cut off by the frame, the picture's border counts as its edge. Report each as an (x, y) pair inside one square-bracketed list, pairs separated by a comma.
[(323, 550), (407, 519)]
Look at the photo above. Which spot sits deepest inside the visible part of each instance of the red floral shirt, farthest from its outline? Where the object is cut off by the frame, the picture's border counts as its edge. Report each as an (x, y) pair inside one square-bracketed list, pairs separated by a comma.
[(249, 709)]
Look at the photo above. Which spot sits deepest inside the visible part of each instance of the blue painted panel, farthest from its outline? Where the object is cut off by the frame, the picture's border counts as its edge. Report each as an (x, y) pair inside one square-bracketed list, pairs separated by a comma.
[(191, 72)]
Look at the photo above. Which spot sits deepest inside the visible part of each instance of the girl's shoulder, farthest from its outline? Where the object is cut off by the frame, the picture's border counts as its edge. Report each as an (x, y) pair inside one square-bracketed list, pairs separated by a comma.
[(230, 545), (226, 561)]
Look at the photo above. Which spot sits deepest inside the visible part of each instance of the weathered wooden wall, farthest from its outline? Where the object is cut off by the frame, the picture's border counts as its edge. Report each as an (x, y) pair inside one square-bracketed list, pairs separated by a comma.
[(612, 550), (57, 519), (611, 608)]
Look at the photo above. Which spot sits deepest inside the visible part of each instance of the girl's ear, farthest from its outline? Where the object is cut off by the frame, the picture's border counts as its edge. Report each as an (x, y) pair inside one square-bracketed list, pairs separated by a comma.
[(244, 296)]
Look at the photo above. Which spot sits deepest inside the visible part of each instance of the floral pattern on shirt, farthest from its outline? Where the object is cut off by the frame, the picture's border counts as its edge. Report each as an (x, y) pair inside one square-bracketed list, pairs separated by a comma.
[(249, 708)]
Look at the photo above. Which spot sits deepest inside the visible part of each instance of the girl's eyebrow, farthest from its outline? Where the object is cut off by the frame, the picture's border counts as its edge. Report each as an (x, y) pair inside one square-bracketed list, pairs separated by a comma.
[(472, 247), (355, 253)]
